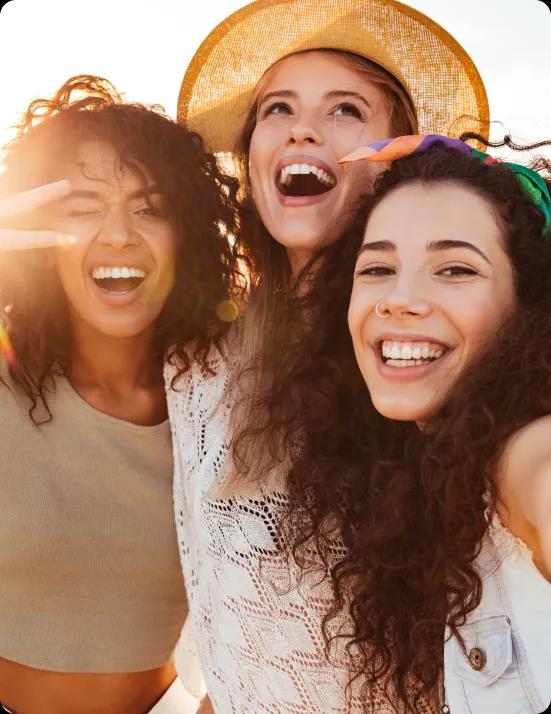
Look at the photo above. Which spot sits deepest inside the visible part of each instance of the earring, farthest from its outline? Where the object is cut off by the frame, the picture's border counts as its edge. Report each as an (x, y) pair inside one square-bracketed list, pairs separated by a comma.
[(378, 311)]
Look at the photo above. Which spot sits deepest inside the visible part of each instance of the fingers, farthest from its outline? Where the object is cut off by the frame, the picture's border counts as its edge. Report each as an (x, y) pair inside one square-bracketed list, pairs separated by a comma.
[(26, 240), (28, 200)]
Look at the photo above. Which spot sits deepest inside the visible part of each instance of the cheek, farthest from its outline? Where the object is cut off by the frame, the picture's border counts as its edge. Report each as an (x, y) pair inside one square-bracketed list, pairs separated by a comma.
[(480, 319), (358, 182), (259, 155), (68, 262), (358, 313), (163, 249)]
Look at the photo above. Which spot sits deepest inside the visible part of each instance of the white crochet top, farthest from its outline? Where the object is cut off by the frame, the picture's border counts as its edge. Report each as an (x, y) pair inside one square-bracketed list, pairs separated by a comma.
[(257, 630)]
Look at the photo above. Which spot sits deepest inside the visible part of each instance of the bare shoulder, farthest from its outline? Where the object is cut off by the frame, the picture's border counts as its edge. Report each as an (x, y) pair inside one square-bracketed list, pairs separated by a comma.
[(529, 449)]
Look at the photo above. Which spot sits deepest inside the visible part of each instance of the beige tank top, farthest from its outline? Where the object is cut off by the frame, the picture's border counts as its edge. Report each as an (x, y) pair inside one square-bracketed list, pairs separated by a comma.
[(90, 577)]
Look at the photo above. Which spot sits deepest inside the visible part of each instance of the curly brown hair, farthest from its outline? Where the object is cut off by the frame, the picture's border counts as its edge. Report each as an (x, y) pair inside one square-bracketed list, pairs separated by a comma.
[(410, 507), (201, 203)]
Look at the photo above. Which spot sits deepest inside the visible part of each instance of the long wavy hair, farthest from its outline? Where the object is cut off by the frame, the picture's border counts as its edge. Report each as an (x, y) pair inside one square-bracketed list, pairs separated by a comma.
[(410, 507), (201, 203), (268, 323)]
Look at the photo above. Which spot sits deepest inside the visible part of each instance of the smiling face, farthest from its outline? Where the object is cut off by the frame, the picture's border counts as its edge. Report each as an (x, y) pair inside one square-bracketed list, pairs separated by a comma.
[(119, 273), (313, 110), (434, 264)]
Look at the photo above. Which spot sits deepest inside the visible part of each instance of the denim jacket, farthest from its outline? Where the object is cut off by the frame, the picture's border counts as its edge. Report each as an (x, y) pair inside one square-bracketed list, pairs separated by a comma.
[(493, 676)]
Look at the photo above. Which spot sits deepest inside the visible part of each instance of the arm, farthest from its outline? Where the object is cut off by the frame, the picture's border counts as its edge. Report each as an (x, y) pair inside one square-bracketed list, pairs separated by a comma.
[(524, 489)]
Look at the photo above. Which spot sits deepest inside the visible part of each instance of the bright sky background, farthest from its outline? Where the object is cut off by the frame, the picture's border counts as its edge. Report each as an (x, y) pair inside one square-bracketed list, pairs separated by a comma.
[(144, 46)]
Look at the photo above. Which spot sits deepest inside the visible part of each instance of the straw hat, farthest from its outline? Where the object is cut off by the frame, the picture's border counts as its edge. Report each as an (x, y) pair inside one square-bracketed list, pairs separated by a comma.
[(435, 70)]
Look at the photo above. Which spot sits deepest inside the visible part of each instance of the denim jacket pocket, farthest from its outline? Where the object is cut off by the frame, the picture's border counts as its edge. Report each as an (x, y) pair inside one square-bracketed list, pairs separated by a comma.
[(489, 650), (487, 676)]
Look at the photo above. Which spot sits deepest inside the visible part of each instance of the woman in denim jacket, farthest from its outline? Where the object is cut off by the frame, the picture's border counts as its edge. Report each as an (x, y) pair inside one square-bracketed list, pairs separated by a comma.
[(439, 486)]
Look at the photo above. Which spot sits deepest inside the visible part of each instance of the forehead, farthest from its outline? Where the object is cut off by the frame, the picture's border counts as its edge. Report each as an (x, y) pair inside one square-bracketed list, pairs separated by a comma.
[(97, 162), (317, 72), (416, 213)]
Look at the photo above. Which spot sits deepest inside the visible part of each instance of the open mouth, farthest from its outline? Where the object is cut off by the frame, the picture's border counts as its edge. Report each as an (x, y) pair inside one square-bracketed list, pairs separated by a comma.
[(411, 354), (117, 280), (305, 179)]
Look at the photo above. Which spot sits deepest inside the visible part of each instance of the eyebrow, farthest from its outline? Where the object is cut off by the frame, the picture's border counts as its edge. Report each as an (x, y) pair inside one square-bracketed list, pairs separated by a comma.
[(386, 245), (97, 196), (334, 94)]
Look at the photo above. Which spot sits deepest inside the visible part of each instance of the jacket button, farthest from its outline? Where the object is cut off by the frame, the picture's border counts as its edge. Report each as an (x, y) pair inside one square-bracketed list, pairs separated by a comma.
[(477, 658)]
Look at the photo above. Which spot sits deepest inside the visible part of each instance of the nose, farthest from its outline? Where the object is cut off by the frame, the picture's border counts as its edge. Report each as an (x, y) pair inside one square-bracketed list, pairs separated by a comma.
[(406, 301), (303, 131), (117, 231)]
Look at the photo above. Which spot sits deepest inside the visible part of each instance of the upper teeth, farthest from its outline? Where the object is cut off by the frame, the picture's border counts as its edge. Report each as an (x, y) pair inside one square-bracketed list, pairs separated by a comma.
[(411, 350), (294, 169), (124, 272)]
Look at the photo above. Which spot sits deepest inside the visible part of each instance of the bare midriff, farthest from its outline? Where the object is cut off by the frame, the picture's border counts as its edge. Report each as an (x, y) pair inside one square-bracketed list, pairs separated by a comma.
[(25, 690)]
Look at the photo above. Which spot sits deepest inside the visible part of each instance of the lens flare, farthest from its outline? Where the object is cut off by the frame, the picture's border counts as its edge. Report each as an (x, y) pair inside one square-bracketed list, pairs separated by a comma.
[(227, 311), (63, 241), (6, 347)]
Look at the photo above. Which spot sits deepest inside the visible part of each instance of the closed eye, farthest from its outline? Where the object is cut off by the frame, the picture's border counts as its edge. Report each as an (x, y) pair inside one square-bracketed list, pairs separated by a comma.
[(87, 212)]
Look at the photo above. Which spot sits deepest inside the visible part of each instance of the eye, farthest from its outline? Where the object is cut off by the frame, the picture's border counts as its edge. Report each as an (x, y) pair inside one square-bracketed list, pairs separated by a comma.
[(149, 211), (376, 271), (275, 109), (84, 212), (457, 271), (346, 109)]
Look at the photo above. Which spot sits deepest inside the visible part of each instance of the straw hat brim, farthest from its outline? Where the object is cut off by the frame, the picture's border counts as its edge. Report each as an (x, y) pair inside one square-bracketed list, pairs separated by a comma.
[(439, 76)]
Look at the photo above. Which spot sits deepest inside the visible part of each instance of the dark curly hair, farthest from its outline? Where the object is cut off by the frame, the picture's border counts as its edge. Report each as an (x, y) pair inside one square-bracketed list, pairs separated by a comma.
[(201, 203), (409, 507)]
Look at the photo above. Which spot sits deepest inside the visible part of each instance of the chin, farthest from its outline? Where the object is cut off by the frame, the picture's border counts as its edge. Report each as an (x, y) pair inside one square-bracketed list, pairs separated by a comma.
[(122, 329), (305, 241), (403, 411)]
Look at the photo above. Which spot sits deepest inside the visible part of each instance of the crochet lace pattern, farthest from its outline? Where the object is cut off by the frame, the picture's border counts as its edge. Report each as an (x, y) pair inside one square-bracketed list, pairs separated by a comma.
[(256, 624)]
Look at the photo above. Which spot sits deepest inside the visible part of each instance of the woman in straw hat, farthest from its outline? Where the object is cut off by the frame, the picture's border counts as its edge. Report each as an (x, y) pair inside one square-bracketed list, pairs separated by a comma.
[(288, 87), (438, 481)]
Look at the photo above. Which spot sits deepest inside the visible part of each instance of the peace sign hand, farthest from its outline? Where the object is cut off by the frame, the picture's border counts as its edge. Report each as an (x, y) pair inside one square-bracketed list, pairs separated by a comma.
[(20, 203)]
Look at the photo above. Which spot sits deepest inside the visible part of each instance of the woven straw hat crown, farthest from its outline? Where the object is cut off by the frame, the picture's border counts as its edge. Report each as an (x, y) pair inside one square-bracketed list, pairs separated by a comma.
[(434, 69)]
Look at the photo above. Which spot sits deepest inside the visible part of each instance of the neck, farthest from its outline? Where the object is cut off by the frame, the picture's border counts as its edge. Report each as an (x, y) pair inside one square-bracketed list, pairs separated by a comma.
[(113, 364), (297, 260)]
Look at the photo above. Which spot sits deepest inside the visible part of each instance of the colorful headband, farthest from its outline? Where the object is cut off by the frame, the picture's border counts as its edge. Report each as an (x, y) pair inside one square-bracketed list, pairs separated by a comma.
[(532, 184)]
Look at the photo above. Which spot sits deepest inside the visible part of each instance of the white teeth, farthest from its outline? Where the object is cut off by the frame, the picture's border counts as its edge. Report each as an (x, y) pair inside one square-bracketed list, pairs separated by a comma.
[(103, 272), (409, 353), (288, 172)]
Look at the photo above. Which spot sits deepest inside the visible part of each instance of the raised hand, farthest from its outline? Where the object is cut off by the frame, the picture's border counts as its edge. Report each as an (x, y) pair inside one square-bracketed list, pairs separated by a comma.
[(21, 203)]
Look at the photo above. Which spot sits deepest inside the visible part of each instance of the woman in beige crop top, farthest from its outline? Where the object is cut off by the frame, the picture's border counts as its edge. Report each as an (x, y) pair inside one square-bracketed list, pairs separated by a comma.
[(92, 598)]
